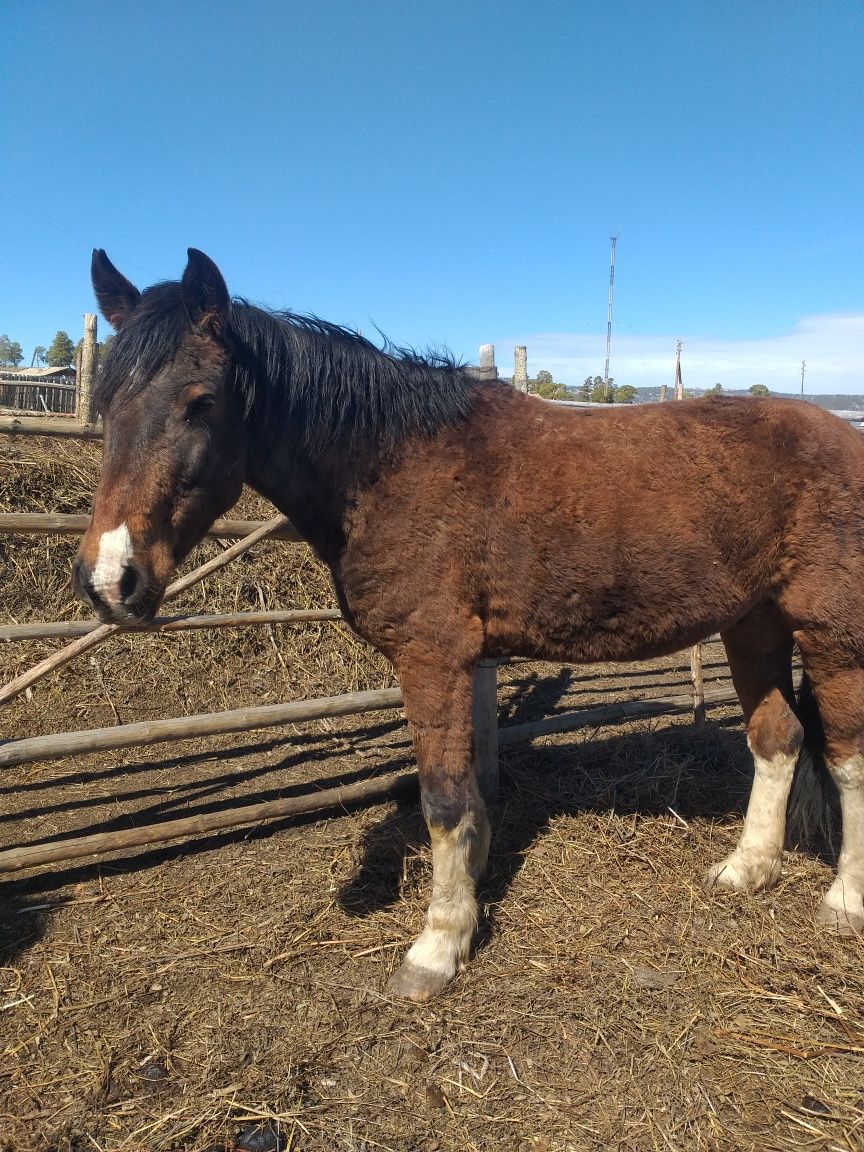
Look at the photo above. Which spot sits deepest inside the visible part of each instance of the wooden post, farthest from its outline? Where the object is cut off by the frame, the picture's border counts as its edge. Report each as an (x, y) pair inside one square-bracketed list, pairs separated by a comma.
[(485, 722), (487, 369), (698, 684), (88, 368), (520, 368)]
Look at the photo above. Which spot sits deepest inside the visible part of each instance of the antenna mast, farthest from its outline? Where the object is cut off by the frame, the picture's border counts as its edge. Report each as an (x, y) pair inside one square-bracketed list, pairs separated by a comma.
[(679, 383), (614, 241)]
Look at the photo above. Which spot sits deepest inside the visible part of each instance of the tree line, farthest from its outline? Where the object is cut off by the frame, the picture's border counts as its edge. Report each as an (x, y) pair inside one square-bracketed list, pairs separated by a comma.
[(596, 390), (593, 389), (60, 353)]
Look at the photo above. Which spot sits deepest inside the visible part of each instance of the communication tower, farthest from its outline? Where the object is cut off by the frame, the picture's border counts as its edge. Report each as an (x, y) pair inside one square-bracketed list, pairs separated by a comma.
[(614, 241)]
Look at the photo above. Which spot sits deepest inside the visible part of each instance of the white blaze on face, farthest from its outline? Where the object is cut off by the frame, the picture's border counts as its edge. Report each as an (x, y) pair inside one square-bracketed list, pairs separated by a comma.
[(115, 552)]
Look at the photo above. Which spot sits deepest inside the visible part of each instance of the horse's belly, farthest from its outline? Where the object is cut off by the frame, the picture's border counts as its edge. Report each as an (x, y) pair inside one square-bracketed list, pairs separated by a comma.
[(616, 625)]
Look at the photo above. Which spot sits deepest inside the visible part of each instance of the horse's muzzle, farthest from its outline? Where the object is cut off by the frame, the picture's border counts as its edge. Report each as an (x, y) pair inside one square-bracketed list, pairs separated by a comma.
[(131, 601)]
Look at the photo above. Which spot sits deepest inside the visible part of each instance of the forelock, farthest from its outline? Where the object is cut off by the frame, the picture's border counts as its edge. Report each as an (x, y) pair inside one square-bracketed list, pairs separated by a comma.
[(150, 339)]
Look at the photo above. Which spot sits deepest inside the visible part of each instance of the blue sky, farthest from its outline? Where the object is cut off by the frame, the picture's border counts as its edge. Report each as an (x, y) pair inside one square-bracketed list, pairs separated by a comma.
[(451, 172)]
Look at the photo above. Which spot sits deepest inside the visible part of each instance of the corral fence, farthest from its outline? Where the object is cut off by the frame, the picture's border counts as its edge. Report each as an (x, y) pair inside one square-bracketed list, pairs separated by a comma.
[(20, 393), (53, 392)]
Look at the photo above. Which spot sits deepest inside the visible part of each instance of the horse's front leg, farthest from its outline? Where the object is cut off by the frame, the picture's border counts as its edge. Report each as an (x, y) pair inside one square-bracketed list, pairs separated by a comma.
[(438, 707)]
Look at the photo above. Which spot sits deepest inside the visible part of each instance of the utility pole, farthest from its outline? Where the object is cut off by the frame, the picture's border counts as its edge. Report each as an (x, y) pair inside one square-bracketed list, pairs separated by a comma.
[(614, 241), (679, 383), (803, 366)]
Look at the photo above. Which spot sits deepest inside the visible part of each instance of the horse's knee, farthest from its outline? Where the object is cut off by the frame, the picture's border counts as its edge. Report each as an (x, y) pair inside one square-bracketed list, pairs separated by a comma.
[(459, 832), (773, 730)]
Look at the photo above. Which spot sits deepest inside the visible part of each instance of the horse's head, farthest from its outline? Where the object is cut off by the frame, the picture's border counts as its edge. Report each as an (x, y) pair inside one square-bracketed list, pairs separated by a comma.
[(174, 450)]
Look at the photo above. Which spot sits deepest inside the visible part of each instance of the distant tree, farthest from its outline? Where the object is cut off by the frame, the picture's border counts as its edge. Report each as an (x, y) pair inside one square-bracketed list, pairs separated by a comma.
[(544, 385), (759, 390), (600, 393), (10, 352), (717, 390), (101, 348), (62, 351), (584, 392), (39, 353), (624, 394)]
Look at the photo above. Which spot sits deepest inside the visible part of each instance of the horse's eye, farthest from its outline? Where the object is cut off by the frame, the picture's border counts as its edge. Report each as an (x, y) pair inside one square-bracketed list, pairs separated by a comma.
[(199, 407)]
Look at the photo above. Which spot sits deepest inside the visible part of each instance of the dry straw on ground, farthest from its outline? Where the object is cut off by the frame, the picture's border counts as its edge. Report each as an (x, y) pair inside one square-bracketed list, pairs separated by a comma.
[(230, 993)]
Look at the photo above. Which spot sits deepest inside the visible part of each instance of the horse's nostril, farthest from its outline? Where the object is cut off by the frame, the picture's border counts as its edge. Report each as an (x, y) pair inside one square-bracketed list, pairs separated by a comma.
[(130, 582), (81, 584)]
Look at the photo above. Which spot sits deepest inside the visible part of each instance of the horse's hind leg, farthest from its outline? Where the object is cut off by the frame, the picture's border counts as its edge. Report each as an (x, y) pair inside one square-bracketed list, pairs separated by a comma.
[(838, 683), (759, 649), (438, 706)]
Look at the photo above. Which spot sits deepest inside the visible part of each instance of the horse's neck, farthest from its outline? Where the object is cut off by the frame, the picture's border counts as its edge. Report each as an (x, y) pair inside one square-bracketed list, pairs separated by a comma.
[(313, 495)]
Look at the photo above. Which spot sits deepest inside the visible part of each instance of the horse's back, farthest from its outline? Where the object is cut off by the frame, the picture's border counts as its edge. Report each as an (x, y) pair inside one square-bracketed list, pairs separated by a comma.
[(625, 532)]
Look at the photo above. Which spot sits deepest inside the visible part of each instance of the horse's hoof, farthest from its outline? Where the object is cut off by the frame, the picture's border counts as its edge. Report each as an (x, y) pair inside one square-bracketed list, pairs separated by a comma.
[(725, 875), (411, 982), (738, 874), (841, 920)]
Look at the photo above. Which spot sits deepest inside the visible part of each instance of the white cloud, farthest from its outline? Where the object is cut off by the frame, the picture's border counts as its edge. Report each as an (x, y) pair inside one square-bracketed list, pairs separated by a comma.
[(832, 345)]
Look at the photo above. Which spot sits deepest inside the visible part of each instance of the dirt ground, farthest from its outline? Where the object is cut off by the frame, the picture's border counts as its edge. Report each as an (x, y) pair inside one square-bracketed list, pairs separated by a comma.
[(229, 992)]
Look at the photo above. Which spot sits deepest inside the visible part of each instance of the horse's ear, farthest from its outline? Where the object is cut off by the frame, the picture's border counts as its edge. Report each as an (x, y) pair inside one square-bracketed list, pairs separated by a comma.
[(205, 294), (115, 295)]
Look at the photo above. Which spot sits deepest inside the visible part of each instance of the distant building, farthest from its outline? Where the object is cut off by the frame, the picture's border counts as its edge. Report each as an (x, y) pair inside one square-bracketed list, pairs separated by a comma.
[(38, 375)]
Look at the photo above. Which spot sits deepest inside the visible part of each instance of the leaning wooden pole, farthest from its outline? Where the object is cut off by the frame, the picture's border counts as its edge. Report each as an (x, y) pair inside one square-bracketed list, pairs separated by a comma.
[(92, 639)]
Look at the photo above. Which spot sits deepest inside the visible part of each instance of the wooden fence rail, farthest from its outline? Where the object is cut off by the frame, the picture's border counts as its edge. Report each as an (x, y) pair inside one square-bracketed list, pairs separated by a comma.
[(365, 791), (49, 426), (145, 732), (69, 524), (101, 843), (63, 629)]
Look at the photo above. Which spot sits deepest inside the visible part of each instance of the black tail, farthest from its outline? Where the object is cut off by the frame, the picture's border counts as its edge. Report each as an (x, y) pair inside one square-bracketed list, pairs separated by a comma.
[(813, 812)]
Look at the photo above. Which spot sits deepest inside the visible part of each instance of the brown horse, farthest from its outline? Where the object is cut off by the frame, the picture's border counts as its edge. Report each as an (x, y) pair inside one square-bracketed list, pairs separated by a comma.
[(462, 519)]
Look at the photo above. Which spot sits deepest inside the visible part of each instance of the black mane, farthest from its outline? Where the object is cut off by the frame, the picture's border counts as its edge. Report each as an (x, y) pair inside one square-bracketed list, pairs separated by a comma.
[(339, 386)]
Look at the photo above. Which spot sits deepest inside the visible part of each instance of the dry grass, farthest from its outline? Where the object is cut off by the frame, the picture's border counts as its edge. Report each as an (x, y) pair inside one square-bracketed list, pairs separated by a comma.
[(228, 993)]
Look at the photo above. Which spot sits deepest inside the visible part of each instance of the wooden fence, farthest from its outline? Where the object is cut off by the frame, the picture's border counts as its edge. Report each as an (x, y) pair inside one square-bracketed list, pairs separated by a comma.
[(23, 395), (85, 635)]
